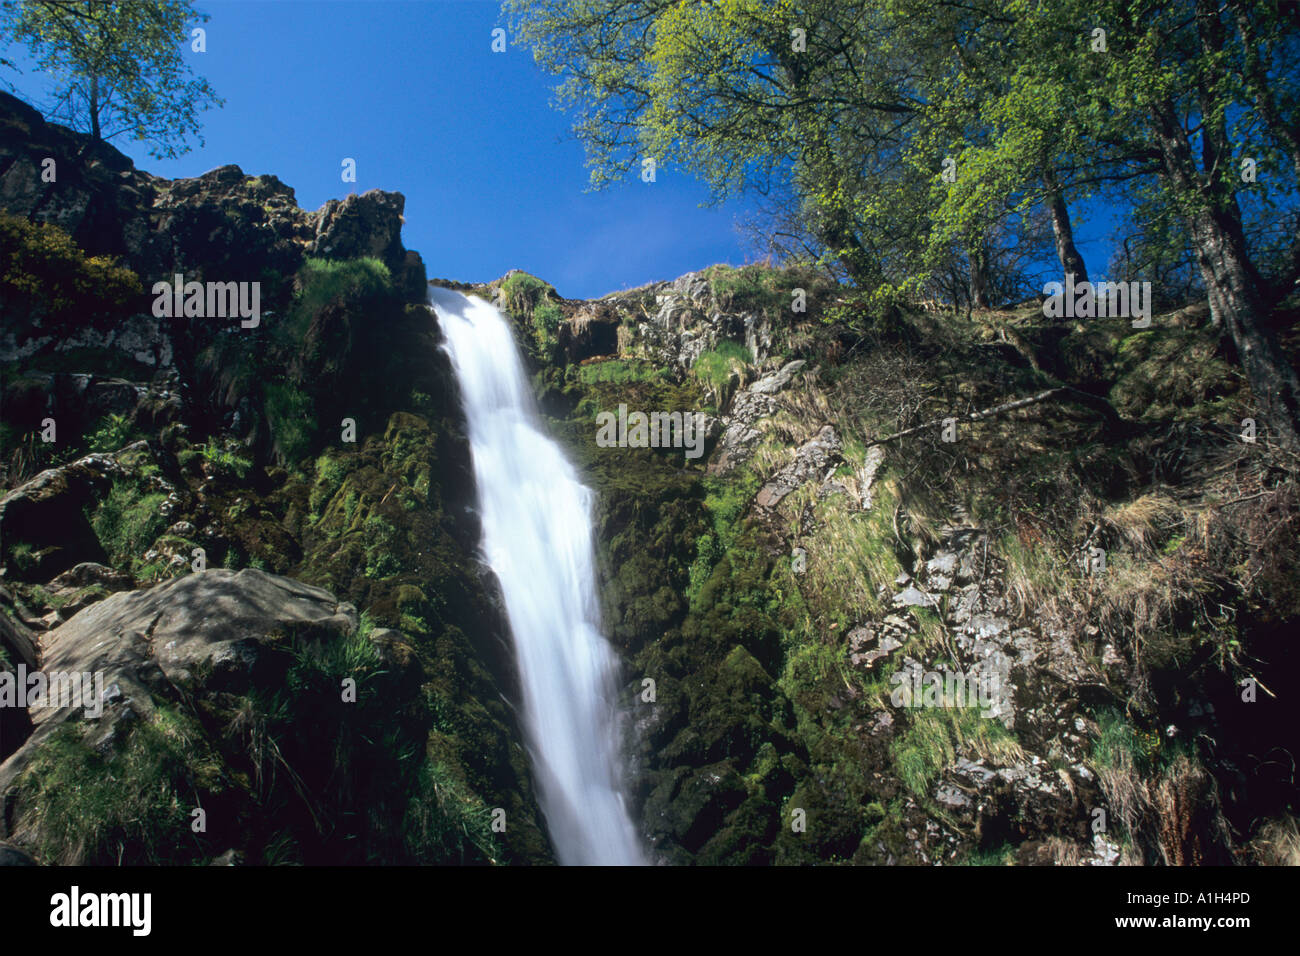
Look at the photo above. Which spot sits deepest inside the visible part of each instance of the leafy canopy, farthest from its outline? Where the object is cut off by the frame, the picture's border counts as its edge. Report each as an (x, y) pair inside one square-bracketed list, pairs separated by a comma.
[(118, 66)]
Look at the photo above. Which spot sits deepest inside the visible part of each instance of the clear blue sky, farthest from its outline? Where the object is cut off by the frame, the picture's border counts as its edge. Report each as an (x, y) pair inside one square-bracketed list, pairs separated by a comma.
[(412, 91), (492, 176)]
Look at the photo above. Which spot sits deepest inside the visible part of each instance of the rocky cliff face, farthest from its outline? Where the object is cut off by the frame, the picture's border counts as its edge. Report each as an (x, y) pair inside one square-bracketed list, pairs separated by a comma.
[(1029, 634), (261, 536)]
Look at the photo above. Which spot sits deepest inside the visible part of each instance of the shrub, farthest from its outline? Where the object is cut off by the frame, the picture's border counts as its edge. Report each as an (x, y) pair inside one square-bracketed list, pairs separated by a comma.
[(113, 432), (39, 263)]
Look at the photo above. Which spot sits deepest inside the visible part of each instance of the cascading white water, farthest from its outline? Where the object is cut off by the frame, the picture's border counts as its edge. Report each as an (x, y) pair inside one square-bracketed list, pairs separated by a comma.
[(536, 519)]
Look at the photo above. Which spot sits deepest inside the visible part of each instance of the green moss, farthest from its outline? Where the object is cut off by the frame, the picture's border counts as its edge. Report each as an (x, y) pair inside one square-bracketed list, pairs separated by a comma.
[(547, 317), (382, 557), (330, 472), (726, 501)]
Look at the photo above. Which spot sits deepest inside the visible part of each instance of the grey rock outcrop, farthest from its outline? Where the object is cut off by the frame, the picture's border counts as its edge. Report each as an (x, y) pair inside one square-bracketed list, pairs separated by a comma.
[(741, 432), (213, 632)]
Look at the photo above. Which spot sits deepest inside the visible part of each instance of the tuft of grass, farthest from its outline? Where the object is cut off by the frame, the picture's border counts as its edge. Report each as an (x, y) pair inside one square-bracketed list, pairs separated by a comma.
[(23, 557), (322, 281), (327, 663), (81, 807), (621, 372), (127, 521), (293, 427), (1278, 842), (1003, 855), (936, 736), (1145, 521), (716, 365), (225, 459), (852, 553), (523, 293), (446, 823), (760, 288)]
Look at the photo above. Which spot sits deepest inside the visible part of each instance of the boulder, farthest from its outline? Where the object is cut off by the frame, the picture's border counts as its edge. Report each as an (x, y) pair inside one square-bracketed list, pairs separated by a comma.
[(47, 514), (741, 432), (812, 462), (206, 633), (366, 225)]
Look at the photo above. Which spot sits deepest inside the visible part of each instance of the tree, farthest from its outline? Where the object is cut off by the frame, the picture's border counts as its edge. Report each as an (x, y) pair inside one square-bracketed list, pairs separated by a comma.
[(1193, 91), (119, 66), (859, 105), (824, 99), (746, 93)]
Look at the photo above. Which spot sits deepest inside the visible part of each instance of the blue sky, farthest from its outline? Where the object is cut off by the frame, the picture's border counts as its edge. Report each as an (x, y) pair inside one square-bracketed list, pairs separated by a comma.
[(412, 91), (492, 176)]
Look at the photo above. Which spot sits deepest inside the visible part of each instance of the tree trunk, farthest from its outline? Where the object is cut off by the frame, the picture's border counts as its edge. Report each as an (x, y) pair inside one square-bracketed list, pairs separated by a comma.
[(1066, 250), (1237, 292), (979, 279), (94, 108), (1240, 304)]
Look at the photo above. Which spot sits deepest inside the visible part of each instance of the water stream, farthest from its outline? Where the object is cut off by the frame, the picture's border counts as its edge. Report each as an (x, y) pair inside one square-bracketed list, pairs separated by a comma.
[(537, 537)]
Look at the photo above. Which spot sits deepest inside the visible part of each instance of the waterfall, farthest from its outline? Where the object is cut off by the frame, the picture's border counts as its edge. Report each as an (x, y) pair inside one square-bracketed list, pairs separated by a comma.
[(537, 537)]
